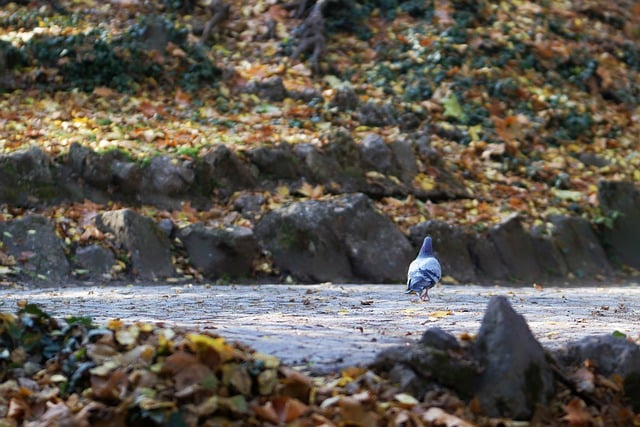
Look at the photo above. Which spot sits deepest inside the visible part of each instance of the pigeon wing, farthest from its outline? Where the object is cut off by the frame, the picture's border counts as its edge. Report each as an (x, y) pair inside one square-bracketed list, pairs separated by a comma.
[(423, 273)]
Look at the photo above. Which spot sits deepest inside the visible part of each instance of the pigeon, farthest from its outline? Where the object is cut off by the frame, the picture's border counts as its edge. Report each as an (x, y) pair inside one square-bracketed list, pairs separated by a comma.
[(424, 271)]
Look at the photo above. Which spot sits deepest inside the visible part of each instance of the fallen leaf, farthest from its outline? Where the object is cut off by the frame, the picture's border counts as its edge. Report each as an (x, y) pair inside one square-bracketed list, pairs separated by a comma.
[(577, 414), (438, 416)]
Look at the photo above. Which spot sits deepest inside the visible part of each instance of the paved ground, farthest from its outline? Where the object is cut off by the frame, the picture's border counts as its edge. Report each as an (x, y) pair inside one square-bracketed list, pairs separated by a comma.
[(328, 326)]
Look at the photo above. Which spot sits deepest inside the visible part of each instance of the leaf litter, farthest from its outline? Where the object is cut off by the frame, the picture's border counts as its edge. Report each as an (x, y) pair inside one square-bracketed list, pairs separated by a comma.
[(554, 80)]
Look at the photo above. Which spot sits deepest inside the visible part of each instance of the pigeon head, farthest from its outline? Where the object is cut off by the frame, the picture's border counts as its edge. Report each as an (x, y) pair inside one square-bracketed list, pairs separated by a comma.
[(427, 248)]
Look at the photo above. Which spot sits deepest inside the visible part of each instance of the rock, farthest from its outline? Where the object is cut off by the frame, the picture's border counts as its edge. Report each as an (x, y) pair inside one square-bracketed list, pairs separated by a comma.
[(141, 236), (620, 203), (33, 242), (277, 162), (443, 183), (167, 226), (406, 162), (220, 252), (92, 167), (437, 361), (580, 246), (271, 89), (26, 178), (342, 148), (375, 154), (591, 159), (249, 205), (316, 167), (341, 239), (338, 162), (549, 258), (168, 176), (451, 246), (128, 176), (516, 376), (488, 266), (438, 338), (155, 35), (95, 259), (515, 248), (305, 95), (609, 354), (223, 170), (345, 99), (371, 114), (408, 121)]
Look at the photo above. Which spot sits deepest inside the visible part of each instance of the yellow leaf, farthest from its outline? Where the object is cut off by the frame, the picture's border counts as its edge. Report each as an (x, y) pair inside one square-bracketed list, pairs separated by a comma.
[(114, 324), (406, 399), (310, 191), (440, 313), (201, 343), (424, 182), (375, 175)]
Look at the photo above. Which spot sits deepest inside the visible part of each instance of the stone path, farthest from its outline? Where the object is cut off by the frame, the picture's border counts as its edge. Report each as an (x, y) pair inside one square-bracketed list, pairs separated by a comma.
[(329, 326)]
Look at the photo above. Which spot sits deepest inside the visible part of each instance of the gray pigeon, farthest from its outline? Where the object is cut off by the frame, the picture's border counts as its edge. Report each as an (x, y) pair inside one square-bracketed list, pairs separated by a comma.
[(424, 271)]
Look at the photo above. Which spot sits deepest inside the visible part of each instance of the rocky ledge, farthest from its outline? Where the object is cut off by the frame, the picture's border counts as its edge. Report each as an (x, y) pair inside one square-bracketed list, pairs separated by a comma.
[(341, 237)]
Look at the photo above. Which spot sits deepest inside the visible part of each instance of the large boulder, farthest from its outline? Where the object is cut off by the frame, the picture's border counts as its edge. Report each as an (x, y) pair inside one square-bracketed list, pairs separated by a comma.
[(620, 205), (610, 355), (406, 162), (549, 257), (220, 252), (26, 178), (580, 246), (375, 154), (451, 247), (169, 176), (342, 239), (223, 170), (515, 248), (488, 264), (437, 361), (516, 375), (93, 168), (275, 162), (94, 261), (148, 245), (39, 252)]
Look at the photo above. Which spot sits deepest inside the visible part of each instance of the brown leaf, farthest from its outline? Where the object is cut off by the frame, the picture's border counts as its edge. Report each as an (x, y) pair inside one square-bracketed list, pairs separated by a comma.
[(288, 409), (18, 408), (354, 412), (110, 387), (437, 416), (576, 413), (584, 380), (103, 91), (187, 379), (295, 384)]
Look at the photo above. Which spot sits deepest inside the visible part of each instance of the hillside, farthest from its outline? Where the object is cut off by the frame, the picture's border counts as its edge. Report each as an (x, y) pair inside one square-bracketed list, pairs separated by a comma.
[(512, 107)]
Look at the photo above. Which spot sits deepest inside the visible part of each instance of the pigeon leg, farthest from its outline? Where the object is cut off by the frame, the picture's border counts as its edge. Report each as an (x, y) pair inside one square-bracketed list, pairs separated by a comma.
[(424, 294)]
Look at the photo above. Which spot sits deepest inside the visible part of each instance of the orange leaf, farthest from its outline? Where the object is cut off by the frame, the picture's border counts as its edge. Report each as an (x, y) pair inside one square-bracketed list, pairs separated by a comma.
[(182, 98), (277, 13), (103, 91), (577, 415)]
